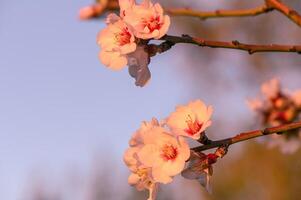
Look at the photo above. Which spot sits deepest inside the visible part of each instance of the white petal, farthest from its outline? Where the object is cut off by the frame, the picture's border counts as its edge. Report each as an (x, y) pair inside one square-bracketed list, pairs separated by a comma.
[(133, 179)]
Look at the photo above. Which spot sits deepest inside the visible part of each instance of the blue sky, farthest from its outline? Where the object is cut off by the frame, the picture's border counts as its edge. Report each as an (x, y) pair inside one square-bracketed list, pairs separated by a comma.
[(59, 106)]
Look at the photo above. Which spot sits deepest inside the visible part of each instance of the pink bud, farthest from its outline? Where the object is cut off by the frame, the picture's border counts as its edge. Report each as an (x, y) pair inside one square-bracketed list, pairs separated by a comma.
[(86, 12)]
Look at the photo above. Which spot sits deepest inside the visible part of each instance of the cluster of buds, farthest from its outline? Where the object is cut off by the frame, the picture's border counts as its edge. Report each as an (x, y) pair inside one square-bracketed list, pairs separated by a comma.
[(276, 108), (124, 41), (159, 151)]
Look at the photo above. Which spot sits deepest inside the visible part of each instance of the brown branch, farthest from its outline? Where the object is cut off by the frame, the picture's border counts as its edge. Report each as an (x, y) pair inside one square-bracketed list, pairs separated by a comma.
[(112, 5), (284, 9), (250, 48), (248, 135), (218, 13)]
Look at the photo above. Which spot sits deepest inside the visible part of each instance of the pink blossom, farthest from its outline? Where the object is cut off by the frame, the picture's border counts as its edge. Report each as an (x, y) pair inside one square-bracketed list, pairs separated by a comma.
[(277, 108), (146, 20), (255, 104), (113, 60), (271, 88), (90, 11), (116, 40), (145, 128), (164, 154), (190, 120), (297, 98), (125, 5), (140, 176)]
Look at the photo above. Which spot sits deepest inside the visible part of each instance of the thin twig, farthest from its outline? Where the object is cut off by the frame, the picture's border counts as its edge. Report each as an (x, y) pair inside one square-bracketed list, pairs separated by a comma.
[(250, 48), (112, 5), (270, 5), (248, 135), (218, 13), (284, 9)]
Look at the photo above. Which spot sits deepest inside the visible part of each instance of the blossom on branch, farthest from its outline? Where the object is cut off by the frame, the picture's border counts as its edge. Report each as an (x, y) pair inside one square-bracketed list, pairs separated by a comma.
[(154, 156), (165, 154), (91, 11), (125, 39), (276, 108), (190, 120), (116, 41), (158, 151), (147, 20), (140, 176)]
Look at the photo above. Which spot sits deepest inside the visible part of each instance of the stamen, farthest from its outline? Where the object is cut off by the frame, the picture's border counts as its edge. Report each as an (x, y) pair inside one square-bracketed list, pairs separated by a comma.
[(193, 126), (169, 152)]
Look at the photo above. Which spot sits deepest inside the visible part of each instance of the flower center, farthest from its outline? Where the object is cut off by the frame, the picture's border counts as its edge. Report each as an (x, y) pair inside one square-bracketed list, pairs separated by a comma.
[(153, 23), (169, 152), (142, 172), (124, 37), (193, 126)]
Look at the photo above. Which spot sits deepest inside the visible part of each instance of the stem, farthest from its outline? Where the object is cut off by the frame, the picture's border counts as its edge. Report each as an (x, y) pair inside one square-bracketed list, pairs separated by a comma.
[(250, 48), (218, 13), (248, 135), (113, 5), (284, 9), (270, 5)]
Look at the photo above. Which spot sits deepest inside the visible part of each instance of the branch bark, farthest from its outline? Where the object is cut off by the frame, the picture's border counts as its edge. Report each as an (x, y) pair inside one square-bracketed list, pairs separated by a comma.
[(247, 136), (284, 9), (250, 48), (218, 13), (269, 5), (112, 5)]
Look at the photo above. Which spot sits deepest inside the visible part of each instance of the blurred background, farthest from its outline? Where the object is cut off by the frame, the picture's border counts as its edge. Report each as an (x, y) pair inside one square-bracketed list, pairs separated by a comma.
[(66, 120)]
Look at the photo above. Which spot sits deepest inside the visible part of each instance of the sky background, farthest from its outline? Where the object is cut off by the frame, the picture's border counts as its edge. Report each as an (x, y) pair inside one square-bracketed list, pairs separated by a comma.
[(59, 106), (62, 110)]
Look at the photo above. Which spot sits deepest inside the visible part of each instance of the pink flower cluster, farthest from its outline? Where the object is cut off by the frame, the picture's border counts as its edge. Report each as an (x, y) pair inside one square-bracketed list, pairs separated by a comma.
[(121, 36), (159, 151), (276, 108)]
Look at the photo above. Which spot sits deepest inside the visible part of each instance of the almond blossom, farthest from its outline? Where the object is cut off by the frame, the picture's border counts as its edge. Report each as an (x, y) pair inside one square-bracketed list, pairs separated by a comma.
[(271, 88), (91, 11), (125, 5), (276, 108), (154, 156), (165, 154), (125, 39), (146, 19), (190, 120), (160, 150), (140, 176), (297, 98), (116, 41)]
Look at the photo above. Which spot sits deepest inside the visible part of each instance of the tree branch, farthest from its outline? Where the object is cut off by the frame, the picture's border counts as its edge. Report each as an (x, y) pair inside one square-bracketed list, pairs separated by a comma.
[(112, 5), (248, 135), (218, 13), (284, 9), (270, 5), (250, 48)]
